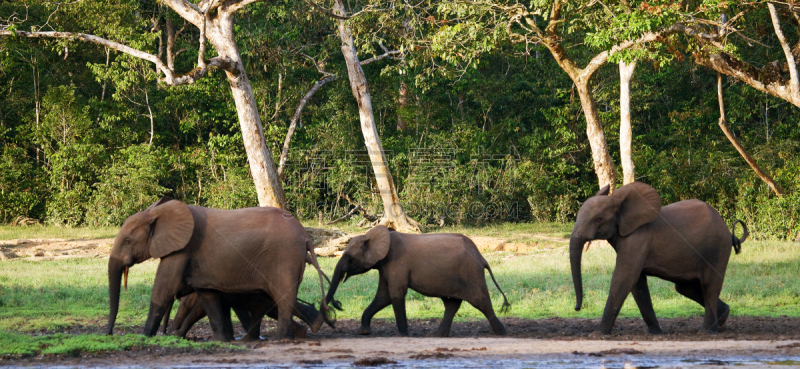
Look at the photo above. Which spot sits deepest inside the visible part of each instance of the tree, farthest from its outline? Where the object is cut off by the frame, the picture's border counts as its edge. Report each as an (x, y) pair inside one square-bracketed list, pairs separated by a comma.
[(393, 214), (625, 132), (215, 21)]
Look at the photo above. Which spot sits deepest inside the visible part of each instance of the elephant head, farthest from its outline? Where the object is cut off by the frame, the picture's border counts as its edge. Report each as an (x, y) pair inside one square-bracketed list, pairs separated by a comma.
[(361, 255), (161, 229), (603, 216)]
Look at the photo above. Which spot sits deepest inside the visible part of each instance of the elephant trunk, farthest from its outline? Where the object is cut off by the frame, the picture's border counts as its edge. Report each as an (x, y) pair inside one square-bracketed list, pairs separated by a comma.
[(115, 269), (338, 275), (575, 253)]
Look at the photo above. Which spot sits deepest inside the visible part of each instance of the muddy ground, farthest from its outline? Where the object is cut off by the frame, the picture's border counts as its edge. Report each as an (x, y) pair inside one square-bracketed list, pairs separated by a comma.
[(545, 339)]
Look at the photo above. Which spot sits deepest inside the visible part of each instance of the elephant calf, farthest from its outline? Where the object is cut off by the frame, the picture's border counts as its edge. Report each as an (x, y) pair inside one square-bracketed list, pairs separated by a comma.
[(249, 308), (448, 266), (686, 243)]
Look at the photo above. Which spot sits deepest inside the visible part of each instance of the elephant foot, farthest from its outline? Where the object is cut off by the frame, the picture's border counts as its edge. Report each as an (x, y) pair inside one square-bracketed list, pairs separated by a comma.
[(497, 327), (656, 330), (723, 315), (317, 323), (364, 330)]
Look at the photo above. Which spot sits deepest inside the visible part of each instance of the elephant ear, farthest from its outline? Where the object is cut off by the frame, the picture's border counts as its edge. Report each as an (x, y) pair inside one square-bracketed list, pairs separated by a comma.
[(375, 246), (603, 191), (173, 225), (639, 204)]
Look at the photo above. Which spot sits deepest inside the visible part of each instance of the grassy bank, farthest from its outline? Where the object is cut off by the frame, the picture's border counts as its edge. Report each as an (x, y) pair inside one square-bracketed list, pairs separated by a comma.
[(56, 296)]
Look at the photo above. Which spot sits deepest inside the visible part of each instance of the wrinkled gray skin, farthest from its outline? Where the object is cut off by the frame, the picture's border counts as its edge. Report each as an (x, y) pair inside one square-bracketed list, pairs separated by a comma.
[(253, 250), (686, 243), (448, 266), (249, 308)]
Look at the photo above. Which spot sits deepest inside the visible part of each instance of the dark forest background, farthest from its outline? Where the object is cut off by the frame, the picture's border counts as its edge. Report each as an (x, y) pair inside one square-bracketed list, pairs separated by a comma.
[(87, 136)]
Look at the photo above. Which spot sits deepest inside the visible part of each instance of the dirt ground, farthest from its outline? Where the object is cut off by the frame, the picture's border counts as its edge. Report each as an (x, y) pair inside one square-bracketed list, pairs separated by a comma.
[(539, 339)]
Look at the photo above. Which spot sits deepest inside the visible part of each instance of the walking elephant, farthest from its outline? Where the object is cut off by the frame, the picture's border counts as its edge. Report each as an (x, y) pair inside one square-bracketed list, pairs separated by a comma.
[(448, 266), (253, 250), (686, 243)]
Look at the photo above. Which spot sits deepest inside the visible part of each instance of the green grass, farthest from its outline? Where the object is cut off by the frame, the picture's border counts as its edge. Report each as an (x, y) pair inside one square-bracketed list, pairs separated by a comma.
[(57, 296), (8, 232), (21, 345)]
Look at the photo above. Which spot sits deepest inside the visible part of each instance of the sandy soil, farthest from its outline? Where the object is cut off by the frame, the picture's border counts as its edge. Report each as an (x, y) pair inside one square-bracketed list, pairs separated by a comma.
[(542, 340), (36, 249)]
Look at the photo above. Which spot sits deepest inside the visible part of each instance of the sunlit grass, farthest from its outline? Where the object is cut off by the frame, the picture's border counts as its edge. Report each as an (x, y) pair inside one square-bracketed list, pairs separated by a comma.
[(48, 231), (762, 281), (54, 296)]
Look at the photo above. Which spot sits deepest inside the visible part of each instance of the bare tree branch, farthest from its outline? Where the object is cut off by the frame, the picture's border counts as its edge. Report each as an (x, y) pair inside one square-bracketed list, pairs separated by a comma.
[(170, 78), (787, 51), (296, 118), (742, 151)]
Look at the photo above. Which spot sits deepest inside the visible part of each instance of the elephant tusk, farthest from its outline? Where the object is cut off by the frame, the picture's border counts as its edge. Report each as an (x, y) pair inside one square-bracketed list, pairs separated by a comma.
[(126, 278)]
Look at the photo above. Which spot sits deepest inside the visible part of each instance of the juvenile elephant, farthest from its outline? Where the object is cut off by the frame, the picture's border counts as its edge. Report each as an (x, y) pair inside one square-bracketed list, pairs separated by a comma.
[(447, 266), (253, 250), (686, 243), (249, 308)]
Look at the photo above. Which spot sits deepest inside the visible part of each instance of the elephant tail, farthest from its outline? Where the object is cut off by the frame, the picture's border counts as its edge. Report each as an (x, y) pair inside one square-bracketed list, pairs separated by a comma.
[(506, 304), (326, 311), (737, 242)]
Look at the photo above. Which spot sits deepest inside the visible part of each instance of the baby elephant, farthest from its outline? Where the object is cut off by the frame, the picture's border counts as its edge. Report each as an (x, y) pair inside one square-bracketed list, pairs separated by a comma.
[(447, 266), (249, 308)]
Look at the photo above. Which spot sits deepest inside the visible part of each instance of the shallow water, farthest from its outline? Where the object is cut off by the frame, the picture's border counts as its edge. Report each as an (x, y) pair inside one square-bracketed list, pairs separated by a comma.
[(621, 362)]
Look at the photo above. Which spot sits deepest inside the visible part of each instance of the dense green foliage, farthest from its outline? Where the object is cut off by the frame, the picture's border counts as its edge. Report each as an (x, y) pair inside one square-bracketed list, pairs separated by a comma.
[(497, 136)]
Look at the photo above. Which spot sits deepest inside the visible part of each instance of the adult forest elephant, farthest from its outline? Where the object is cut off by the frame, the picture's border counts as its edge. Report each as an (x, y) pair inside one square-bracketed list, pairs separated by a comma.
[(686, 243), (253, 250)]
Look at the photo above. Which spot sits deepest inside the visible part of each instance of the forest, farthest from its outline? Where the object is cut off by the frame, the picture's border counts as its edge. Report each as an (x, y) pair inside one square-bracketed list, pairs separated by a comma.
[(486, 110)]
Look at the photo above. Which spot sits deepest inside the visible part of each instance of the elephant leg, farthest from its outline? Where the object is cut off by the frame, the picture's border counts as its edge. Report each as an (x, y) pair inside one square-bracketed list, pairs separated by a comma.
[(186, 310), (165, 323), (285, 305), (641, 294), (694, 291), (193, 313), (450, 309), (622, 282), (711, 295), (399, 306), (298, 329), (167, 285), (251, 323), (309, 314), (484, 304), (380, 301), (212, 305)]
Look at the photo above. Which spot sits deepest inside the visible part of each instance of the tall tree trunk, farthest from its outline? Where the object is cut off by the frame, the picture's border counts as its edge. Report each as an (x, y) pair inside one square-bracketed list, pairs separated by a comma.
[(603, 164), (262, 167), (625, 133), (749, 159), (393, 214)]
